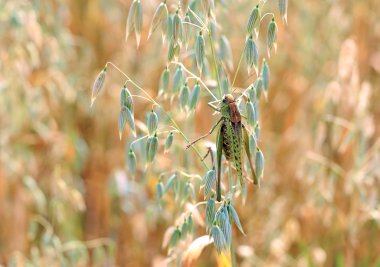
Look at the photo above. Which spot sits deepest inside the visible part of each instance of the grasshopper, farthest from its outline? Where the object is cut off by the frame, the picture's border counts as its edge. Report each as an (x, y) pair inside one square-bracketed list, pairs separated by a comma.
[(231, 134)]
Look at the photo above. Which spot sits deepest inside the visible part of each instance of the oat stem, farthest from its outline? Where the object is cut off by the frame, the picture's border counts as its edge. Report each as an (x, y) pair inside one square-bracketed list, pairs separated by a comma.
[(195, 25), (264, 17), (215, 64), (157, 104), (238, 67)]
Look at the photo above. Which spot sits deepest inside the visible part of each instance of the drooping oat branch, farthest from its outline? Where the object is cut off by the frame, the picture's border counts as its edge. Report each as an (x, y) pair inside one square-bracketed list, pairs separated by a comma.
[(157, 104), (195, 77)]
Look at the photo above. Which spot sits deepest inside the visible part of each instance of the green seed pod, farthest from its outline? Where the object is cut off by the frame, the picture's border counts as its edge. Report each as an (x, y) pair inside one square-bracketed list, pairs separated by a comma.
[(153, 147), (138, 22), (283, 7), (126, 99), (218, 236), (168, 141), (131, 162), (186, 29), (235, 218), (189, 191), (251, 54), (258, 86), (122, 121), (184, 230), (178, 79), (147, 147), (159, 190), (195, 96), (225, 51), (98, 84), (152, 122), (252, 145), (265, 74), (190, 223), (159, 18), (184, 96), (251, 115), (259, 165), (272, 36), (210, 211), (176, 236), (226, 227), (165, 80), (169, 28), (209, 181), (253, 19), (251, 93), (177, 34), (200, 51), (173, 51), (170, 182), (257, 131), (131, 20), (130, 121)]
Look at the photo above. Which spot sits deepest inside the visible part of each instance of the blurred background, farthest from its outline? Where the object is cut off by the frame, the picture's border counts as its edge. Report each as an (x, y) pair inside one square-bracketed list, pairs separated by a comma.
[(66, 198)]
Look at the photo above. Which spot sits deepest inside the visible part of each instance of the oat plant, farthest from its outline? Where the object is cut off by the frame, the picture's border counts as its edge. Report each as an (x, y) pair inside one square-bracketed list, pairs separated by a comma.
[(199, 67)]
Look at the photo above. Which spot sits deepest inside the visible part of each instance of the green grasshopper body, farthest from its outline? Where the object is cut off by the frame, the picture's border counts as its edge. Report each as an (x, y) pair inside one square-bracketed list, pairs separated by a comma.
[(231, 134)]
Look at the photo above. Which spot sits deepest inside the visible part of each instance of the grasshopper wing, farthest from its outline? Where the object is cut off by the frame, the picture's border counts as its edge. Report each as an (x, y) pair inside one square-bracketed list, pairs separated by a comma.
[(248, 152)]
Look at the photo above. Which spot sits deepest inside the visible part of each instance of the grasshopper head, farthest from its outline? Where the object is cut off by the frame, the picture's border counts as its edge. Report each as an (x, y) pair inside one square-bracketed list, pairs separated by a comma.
[(229, 109), (227, 99)]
